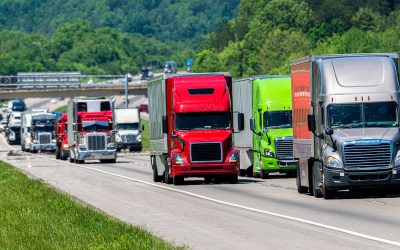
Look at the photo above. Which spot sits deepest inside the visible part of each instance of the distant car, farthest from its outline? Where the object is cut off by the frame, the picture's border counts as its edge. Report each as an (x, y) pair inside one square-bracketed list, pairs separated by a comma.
[(145, 74), (3, 125), (16, 105), (170, 67), (144, 108)]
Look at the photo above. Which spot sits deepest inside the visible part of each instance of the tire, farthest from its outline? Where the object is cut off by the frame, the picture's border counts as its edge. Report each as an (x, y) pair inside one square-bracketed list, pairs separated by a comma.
[(233, 179), (300, 189), (208, 179), (167, 177), (243, 172), (178, 180), (62, 155), (317, 192), (58, 153), (156, 177), (264, 174), (71, 160), (327, 194), (256, 175), (249, 171), (291, 174), (79, 161)]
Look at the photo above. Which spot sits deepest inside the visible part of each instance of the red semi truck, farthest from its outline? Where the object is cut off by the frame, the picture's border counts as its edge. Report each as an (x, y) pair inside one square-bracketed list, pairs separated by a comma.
[(191, 128), (62, 148)]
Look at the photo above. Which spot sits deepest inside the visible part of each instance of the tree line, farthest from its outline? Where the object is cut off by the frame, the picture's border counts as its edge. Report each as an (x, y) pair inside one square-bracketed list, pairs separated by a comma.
[(267, 34)]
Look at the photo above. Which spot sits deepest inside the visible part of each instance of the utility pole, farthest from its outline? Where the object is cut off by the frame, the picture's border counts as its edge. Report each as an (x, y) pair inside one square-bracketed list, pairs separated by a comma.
[(126, 91)]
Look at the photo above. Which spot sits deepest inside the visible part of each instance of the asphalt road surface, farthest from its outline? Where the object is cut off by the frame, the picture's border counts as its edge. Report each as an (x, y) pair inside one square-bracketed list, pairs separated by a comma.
[(253, 214)]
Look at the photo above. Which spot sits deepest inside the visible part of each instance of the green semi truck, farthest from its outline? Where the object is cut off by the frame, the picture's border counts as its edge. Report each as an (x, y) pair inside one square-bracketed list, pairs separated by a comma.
[(263, 106)]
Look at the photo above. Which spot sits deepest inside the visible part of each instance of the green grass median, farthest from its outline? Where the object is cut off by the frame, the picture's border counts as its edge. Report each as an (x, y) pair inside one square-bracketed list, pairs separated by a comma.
[(35, 216)]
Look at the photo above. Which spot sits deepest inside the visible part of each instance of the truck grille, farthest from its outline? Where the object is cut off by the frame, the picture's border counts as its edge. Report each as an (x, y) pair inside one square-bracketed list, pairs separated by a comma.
[(96, 142), (206, 152), (44, 138), (128, 138), (284, 147), (367, 155)]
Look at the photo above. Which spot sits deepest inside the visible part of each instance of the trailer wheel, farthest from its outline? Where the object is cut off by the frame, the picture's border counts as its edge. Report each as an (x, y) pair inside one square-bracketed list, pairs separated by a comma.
[(156, 177), (178, 180), (300, 189), (316, 191), (242, 172), (250, 171), (58, 153), (71, 160)]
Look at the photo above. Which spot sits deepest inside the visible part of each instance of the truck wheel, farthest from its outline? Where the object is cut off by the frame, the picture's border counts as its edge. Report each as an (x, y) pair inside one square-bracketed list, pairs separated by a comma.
[(156, 177), (264, 174), (316, 191), (233, 179), (167, 177), (208, 179), (250, 171), (178, 180), (300, 189), (58, 153), (71, 160), (256, 175), (79, 161), (242, 172), (327, 194)]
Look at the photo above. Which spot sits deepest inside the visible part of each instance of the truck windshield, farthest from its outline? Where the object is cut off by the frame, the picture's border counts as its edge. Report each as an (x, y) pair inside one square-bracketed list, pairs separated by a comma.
[(382, 114), (43, 129), (95, 126), (215, 120), (278, 119), (128, 126)]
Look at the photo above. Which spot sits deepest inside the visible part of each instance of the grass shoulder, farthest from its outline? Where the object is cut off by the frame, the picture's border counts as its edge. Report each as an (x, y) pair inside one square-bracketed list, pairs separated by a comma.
[(35, 216)]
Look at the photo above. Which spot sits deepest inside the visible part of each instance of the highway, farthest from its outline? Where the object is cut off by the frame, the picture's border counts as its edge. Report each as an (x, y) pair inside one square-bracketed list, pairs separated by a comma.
[(253, 214)]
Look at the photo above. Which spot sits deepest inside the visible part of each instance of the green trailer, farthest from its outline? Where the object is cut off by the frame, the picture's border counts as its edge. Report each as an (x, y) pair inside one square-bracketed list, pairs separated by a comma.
[(266, 141)]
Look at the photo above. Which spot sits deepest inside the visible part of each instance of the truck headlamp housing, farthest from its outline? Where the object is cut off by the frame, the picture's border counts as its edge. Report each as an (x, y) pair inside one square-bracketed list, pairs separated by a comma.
[(117, 137), (178, 159), (111, 145), (65, 146), (397, 161), (139, 138), (269, 153), (82, 147), (53, 141), (35, 141), (332, 162), (234, 157)]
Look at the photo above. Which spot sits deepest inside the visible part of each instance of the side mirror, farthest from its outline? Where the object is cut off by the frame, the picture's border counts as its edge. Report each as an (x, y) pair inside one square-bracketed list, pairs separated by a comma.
[(311, 122), (164, 124), (252, 124), (240, 121), (329, 131)]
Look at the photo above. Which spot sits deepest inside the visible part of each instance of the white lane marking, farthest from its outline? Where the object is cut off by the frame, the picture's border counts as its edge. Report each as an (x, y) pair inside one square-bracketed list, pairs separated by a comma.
[(333, 228)]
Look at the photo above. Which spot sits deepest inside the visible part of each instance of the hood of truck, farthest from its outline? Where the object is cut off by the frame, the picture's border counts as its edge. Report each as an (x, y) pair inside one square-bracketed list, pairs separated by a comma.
[(356, 134), (199, 94), (128, 132), (280, 132)]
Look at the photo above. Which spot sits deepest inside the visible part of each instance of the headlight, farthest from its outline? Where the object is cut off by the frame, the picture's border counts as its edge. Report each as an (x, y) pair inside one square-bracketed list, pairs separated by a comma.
[(53, 141), (332, 162), (117, 137), (82, 147), (65, 146), (111, 145), (178, 159), (397, 161), (269, 153), (234, 157), (139, 138), (35, 141)]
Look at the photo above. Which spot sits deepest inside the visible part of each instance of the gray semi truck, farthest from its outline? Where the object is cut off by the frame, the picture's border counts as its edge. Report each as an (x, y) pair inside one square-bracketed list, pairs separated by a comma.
[(345, 122)]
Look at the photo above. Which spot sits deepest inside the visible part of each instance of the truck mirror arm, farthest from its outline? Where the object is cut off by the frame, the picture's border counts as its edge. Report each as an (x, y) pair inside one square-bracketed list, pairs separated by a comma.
[(329, 132)]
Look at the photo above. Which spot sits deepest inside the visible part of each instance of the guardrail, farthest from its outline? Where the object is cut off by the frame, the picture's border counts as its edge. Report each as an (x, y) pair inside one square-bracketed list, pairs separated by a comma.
[(57, 80)]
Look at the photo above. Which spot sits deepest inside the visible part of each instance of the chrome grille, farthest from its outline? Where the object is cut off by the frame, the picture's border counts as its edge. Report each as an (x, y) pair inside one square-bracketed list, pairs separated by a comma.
[(96, 142), (128, 138), (44, 138), (284, 148), (206, 152), (367, 155)]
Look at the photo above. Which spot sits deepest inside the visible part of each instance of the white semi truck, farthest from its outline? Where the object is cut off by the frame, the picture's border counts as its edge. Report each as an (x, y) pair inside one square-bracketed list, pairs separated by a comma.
[(37, 131), (127, 126)]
